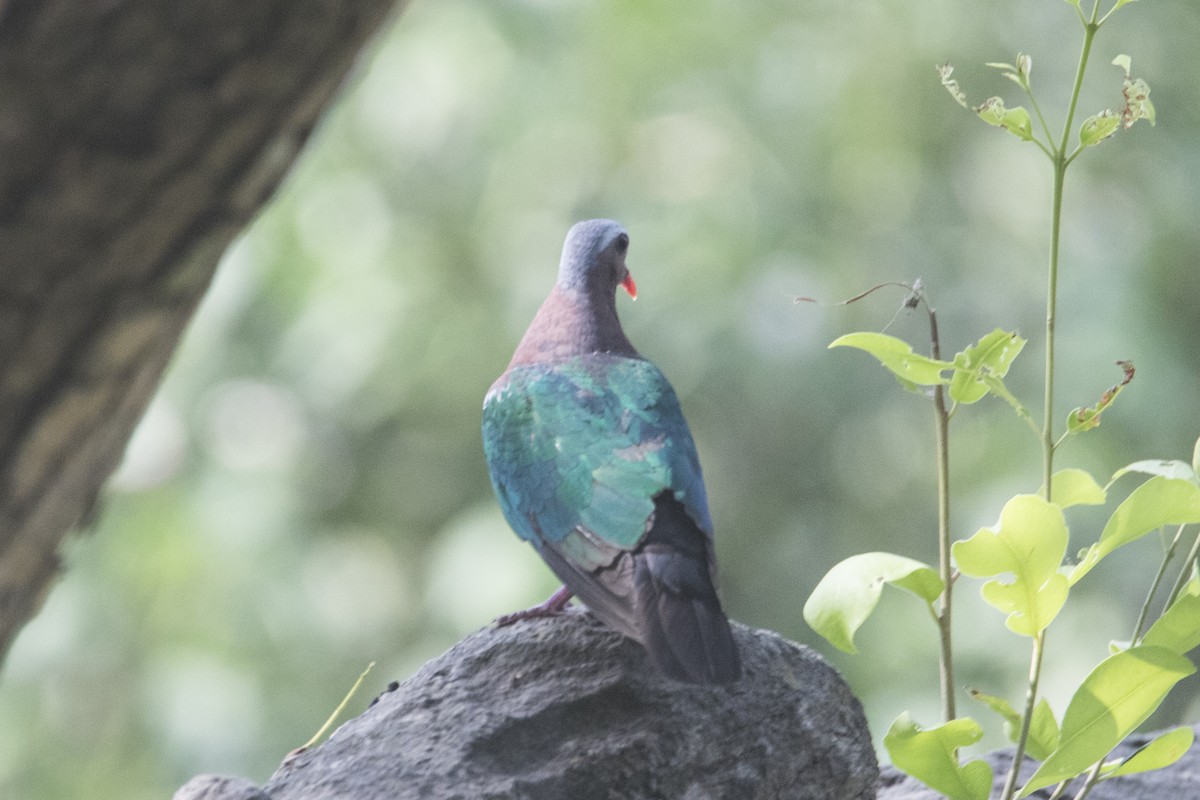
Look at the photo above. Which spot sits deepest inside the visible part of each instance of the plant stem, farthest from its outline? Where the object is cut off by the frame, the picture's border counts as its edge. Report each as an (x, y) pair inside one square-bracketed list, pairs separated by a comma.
[(1162, 570), (942, 428), (1089, 33), (1035, 675), (1060, 169), (1094, 772), (1037, 110), (1184, 574), (1060, 161), (1090, 780)]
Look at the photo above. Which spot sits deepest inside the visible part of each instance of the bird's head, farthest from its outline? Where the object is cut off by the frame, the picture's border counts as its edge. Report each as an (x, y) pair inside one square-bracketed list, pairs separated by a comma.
[(593, 259)]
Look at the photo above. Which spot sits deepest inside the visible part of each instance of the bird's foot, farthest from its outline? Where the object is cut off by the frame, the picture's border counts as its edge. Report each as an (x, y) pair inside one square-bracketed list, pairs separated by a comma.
[(554, 606)]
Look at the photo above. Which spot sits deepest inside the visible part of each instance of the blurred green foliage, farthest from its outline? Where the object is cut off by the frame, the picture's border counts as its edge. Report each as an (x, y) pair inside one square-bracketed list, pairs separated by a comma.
[(307, 493)]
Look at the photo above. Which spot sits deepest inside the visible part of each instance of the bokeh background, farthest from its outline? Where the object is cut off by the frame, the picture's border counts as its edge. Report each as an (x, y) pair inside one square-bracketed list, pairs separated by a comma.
[(307, 493)]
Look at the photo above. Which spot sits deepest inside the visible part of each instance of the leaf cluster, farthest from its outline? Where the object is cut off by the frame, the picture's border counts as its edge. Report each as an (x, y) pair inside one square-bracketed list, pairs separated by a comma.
[(1022, 560), (1017, 120)]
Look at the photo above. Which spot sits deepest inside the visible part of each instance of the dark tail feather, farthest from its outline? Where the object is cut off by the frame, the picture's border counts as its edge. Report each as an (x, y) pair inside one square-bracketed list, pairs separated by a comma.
[(662, 594), (682, 624)]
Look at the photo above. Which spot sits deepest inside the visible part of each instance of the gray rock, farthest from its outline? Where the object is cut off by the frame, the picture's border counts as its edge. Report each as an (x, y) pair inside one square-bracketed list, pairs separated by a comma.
[(1180, 781), (565, 709), (219, 787)]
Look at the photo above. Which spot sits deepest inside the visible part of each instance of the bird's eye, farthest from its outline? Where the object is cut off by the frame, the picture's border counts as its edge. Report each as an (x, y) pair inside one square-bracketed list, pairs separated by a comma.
[(622, 244)]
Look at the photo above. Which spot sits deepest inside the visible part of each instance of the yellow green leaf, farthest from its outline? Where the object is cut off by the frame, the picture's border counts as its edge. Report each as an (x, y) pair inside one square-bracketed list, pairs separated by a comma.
[(992, 355), (1161, 751), (849, 592), (1074, 487), (1029, 542), (898, 356), (1157, 502), (930, 756), (1119, 694)]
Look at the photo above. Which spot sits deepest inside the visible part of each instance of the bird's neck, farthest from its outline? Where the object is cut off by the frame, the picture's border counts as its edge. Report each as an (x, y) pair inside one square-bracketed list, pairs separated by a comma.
[(572, 324)]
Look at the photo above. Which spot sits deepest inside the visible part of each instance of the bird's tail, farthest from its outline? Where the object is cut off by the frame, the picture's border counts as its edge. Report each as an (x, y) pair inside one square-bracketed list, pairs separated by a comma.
[(679, 615), (663, 594)]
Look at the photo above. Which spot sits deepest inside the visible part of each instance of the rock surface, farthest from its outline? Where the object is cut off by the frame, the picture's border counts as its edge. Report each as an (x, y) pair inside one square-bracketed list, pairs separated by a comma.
[(219, 787), (1180, 781), (565, 708)]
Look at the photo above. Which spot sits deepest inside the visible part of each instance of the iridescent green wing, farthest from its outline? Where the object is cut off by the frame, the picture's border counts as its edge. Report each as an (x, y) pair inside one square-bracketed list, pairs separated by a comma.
[(578, 450)]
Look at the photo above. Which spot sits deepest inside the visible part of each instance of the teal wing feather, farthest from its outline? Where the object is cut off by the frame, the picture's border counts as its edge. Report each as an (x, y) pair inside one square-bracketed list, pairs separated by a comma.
[(579, 449)]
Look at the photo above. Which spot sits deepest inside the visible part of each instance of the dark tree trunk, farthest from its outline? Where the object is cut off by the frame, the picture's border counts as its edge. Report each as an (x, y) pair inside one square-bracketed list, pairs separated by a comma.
[(137, 138)]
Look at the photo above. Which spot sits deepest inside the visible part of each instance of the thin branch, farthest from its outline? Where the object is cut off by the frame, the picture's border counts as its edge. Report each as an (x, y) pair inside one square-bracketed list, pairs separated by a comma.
[(942, 431), (1090, 780), (1035, 675), (1184, 574), (1162, 570)]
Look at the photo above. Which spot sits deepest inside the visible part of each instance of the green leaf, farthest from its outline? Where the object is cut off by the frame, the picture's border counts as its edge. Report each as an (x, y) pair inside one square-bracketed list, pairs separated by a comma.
[(1157, 502), (993, 112), (898, 356), (1014, 120), (993, 354), (1161, 751), (1025, 66), (1119, 694), (1018, 74), (1074, 487), (997, 387), (1018, 123), (1043, 732), (1029, 541), (1012, 719), (1084, 419), (1098, 127), (1043, 728), (1167, 469), (1178, 629), (928, 754), (849, 592)]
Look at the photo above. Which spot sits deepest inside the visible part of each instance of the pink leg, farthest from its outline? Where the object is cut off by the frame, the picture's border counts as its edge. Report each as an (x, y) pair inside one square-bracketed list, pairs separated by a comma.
[(554, 606)]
